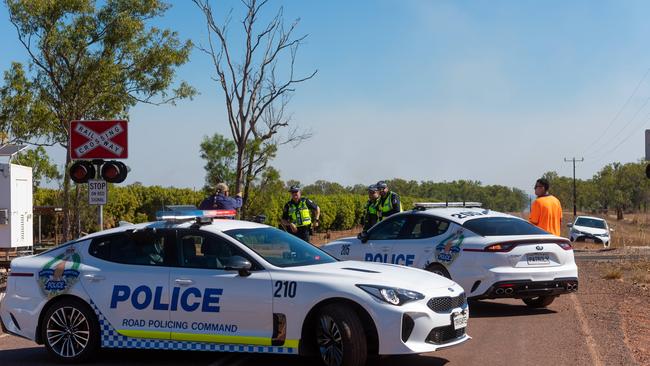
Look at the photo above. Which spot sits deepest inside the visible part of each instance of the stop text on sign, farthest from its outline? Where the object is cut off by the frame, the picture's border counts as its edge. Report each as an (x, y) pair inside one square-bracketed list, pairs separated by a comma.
[(98, 140)]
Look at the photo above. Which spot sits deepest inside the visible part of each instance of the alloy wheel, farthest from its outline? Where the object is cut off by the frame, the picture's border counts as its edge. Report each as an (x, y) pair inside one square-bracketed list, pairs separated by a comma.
[(330, 341), (68, 332)]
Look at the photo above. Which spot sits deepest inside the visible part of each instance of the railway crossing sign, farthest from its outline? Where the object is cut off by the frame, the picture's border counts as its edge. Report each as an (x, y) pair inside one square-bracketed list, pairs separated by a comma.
[(98, 140)]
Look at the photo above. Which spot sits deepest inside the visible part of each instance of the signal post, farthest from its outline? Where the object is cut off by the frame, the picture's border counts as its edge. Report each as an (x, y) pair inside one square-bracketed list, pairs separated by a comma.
[(94, 148)]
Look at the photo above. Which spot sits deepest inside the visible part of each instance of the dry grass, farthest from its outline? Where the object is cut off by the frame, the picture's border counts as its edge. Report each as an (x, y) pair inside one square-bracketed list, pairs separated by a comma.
[(613, 274), (637, 272), (632, 231)]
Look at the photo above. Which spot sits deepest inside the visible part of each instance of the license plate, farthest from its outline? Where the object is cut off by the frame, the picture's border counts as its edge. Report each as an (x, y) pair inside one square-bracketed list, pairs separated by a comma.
[(460, 319), (589, 240), (538, 258)]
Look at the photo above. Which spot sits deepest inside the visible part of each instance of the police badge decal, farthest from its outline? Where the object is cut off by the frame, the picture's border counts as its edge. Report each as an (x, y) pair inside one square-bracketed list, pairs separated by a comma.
[(449, 248), (59, 274)]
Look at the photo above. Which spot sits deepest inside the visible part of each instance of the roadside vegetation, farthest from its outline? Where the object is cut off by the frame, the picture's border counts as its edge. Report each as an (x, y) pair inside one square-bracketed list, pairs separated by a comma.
[(634, 272), (342, 207)]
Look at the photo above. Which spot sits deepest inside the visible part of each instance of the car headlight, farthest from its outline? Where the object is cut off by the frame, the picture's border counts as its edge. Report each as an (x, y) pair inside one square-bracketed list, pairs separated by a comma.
[(394, 296)]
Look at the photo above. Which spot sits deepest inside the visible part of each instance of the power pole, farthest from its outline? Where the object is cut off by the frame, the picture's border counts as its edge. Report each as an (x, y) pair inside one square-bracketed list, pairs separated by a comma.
[(575, 199)]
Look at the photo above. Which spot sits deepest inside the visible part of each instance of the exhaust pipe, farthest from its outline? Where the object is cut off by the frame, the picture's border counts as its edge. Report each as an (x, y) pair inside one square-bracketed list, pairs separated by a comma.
[(499, 291), (509, 291)]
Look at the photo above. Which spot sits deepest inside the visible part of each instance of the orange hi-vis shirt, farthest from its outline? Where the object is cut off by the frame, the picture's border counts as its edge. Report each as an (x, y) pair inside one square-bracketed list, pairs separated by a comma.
[(546, 213)]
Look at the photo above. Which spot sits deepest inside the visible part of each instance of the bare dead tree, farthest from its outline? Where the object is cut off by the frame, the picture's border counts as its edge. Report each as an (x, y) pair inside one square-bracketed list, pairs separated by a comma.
[(256, 95)]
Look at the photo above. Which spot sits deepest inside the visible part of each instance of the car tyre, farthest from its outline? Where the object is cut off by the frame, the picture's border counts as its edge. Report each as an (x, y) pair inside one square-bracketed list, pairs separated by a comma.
[(340, 337), (539, 301), (439, 269), (70, 331)]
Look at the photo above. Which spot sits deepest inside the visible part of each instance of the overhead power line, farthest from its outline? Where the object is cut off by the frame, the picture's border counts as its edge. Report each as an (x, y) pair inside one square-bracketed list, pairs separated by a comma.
[(618, 114), (635, 130)]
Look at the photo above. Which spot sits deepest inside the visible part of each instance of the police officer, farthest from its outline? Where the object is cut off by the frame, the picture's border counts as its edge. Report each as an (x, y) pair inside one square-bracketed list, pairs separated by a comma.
[(389, 202), (220, 200), (370, 212), (297, 214)]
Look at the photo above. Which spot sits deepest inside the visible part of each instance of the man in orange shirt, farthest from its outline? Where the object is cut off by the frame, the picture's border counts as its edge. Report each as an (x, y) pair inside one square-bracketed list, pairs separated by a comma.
[(546, 211)]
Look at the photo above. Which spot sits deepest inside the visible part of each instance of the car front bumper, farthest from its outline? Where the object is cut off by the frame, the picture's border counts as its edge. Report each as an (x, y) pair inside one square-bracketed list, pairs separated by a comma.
[(587, 237), (415, 328)]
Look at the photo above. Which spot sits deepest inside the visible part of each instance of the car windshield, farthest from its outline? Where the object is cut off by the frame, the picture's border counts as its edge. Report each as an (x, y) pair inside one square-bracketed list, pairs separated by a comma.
[(589, 222), (502, 226), (279, 248)]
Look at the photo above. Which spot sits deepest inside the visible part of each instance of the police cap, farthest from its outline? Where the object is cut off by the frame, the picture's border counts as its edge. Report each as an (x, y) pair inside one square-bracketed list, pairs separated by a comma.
[(381, 185), (294, 188)]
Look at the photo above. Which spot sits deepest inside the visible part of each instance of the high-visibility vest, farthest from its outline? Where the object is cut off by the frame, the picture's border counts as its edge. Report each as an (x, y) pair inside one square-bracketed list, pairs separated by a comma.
[(372, 207), (299, 214), (386, 205)]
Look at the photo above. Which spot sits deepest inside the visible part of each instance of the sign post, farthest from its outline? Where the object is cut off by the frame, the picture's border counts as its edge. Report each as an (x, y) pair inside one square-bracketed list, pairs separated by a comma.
[(647, 145), (95, 141), (97, 195)]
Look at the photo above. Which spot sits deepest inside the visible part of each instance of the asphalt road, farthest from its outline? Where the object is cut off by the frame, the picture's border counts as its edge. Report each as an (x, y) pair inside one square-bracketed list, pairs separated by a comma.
[(504, 332)]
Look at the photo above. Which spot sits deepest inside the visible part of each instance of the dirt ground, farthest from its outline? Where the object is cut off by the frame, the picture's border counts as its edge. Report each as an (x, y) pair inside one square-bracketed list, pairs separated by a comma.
[(616, 298)]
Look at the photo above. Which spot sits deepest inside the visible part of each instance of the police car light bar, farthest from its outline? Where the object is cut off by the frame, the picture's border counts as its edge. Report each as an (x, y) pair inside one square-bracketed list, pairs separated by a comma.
[(446, 204), (191, 214)]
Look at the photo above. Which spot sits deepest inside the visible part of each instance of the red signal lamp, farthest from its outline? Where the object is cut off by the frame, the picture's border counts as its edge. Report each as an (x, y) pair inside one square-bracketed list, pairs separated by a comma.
[(114, 171), (81, 171)]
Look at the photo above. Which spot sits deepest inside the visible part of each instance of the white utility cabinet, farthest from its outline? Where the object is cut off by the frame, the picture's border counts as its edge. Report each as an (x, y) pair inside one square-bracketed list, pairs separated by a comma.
[(16, 206)]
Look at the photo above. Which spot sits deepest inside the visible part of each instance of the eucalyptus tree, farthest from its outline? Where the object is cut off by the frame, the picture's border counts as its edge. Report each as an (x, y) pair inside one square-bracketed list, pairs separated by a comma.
[(87, 60), (256, 73)]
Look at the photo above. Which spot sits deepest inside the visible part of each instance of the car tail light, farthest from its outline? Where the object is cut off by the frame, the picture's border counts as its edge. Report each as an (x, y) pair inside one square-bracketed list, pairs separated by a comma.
[(500, 248), (565, 246)]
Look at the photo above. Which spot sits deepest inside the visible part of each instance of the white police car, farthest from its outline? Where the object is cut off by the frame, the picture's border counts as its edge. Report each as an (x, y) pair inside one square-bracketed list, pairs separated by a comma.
[(226, 285), (490, 254)]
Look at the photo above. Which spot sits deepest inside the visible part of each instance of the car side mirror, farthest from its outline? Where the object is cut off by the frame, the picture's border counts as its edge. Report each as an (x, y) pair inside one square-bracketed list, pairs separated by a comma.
[(239, 264), (363, 236), (569, 225)]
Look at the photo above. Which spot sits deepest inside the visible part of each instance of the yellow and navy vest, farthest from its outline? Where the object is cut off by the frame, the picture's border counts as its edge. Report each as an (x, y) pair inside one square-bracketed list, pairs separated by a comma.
[(372, 207), (386, 205), (299, 214)]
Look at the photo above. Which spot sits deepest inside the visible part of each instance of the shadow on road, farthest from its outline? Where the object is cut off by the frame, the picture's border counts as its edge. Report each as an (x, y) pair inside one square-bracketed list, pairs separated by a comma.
[(39, 356), (489, 309)]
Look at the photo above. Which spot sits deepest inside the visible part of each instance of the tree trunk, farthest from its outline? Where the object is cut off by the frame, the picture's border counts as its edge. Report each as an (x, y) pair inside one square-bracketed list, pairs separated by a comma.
[(247, 185), (619, 213), (66, 200)]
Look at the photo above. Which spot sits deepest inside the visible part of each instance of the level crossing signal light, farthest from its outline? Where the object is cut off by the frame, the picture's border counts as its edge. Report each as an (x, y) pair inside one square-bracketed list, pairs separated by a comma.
[(114, 171), (81, 171), (111, 171)]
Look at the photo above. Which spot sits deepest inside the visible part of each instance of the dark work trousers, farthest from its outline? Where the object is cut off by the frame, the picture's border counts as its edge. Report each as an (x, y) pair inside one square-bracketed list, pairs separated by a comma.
[(303, 233)]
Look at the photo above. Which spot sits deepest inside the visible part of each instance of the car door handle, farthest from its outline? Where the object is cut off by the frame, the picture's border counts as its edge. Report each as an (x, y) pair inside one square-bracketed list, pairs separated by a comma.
[(183, 282), (94, 278)]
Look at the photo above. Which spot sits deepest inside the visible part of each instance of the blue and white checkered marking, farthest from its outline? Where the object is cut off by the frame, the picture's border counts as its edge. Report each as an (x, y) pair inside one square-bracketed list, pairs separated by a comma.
[(110, 338)]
